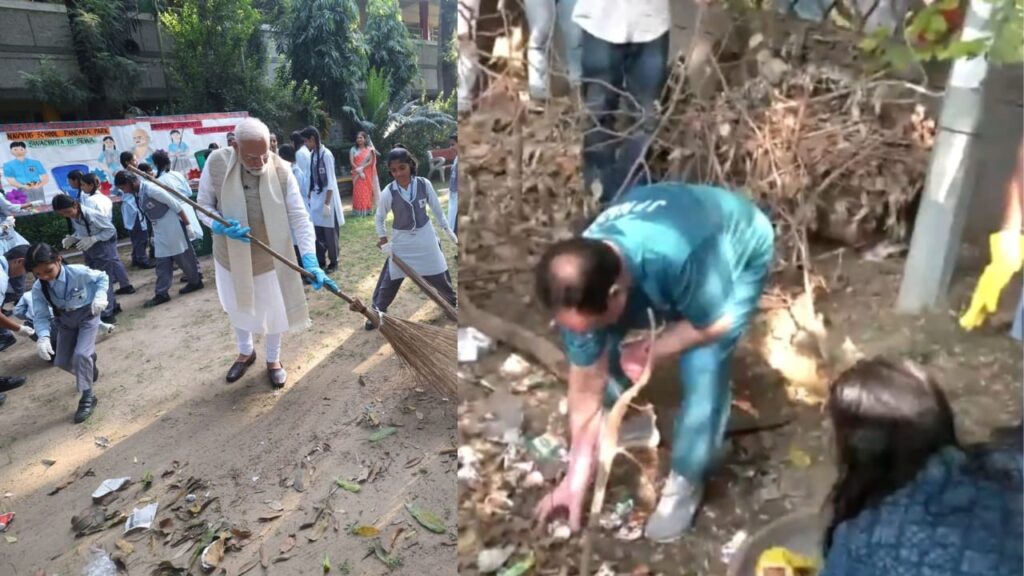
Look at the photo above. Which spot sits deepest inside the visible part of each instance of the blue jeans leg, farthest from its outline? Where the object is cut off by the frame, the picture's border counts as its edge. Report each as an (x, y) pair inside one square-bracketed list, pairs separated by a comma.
[(646, 73), (700, 425), (603, 78)]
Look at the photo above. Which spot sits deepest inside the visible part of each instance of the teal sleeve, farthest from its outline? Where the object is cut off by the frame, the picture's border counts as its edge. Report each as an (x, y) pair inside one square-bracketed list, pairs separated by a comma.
[(706, 291), (584, 349)]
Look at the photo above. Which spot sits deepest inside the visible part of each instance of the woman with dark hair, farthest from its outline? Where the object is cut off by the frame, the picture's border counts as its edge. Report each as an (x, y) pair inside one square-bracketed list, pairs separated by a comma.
[(412, 235), (95, 235), (301, 155), (322, 200), (909, 499), (89, 193), (176, 180), (365, 187)]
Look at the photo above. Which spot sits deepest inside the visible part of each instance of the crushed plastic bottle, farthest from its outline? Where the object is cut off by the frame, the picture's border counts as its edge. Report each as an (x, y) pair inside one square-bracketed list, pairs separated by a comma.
[(100, 564)]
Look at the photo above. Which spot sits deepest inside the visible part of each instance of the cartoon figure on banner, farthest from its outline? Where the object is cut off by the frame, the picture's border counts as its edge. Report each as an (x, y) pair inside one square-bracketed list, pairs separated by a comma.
[(110, 158), (142, 150), (181, 156), (26, 174)]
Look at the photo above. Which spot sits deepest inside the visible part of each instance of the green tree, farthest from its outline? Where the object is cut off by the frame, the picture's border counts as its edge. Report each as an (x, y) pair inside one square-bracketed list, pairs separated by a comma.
[(389, 47), (53, 86), (100, 32), (324, 47), (219, 61)]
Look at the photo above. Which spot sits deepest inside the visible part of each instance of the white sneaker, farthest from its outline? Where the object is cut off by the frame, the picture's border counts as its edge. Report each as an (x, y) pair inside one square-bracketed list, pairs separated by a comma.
[(676, 509)]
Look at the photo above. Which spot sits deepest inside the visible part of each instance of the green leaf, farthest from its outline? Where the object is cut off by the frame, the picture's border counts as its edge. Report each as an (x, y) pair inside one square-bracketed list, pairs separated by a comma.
[(350, 486), (383, 433), (519, 568), (326, 564), (427, 519), (392, 561)]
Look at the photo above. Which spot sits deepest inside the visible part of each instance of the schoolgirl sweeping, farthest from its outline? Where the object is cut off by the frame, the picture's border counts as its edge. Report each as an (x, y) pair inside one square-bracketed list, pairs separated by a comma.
[(412, 234), (71, 298)]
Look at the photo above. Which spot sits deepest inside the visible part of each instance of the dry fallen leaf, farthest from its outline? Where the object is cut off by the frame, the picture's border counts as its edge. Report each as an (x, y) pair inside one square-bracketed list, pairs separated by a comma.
[(365, 531), (213, 555), (125, 547), (288, 544)]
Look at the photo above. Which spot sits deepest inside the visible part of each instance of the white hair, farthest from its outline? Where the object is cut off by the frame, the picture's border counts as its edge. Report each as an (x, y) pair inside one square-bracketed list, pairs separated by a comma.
[(252, 129)]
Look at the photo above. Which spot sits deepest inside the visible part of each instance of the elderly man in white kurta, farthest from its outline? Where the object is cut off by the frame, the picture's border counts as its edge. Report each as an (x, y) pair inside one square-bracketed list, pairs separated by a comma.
[(255, 191)]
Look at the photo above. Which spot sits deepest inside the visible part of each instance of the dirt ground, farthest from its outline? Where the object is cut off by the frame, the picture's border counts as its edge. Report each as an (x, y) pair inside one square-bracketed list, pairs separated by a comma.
[(239, 459), (512, 411)]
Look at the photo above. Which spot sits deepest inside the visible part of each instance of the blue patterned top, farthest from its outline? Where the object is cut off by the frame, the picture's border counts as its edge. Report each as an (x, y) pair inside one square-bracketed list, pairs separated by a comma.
[(950, 521)]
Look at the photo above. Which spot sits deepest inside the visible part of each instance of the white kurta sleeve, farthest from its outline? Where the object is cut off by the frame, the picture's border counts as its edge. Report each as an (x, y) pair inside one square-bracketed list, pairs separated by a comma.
[(298, 218), (207, 199), (435, 207), (383, 207)]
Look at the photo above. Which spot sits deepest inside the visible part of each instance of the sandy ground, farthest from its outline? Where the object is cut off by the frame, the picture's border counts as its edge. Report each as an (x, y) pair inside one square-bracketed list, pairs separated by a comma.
[(168, 413)]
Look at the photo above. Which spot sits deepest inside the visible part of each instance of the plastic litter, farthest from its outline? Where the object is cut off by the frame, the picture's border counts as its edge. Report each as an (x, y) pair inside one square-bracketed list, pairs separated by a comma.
[(110, 485), (141, 518), (100, 564), (471, 343)]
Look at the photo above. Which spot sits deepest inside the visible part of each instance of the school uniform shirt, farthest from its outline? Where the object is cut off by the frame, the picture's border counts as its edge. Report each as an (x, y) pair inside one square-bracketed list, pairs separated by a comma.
[(92, 222), (683, 247), (302, 156), (453, 194), (74, 287), (178, 182), (100, 202), (24, 309), (303, 181), (169, 237), (4, 278), (130, 213), (623, 21), (319, 183), (412, 235), (10, 238)]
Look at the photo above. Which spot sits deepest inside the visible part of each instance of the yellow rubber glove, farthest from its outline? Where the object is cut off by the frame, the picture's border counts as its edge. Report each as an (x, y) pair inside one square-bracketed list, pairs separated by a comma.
[(1007, 248), (790, 563)]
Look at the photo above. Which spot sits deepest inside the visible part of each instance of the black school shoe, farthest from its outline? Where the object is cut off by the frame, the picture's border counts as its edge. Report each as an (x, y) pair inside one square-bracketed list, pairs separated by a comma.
[(189, 288), (183, 279), (86, 405), (156, 301), (123, 290), (111, 319), (11, 382), (95, 369), (6, 341)]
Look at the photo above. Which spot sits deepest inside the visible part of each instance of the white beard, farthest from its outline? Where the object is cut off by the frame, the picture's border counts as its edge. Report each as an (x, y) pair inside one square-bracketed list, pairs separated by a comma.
[(261, 172)]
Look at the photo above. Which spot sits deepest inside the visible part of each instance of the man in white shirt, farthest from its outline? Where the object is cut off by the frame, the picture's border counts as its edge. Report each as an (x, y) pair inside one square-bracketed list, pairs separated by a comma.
[(625, 49)]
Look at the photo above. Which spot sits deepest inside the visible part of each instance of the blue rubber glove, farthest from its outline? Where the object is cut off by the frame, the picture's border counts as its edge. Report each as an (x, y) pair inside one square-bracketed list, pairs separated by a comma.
[(321, 279), (236, 230)]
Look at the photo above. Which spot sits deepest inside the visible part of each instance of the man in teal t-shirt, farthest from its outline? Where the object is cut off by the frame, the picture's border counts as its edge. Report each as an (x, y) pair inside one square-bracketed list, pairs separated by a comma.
[(698, 257)]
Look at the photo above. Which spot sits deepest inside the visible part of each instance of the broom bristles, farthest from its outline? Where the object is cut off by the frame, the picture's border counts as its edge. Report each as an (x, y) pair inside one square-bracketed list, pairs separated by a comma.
[(429, 351)]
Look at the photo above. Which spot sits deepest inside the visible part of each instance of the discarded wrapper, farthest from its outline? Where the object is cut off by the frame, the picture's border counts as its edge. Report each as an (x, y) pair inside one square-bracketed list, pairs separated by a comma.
[(5, 520), (110, 485), (548, 447), (471, 343), (141, 518)]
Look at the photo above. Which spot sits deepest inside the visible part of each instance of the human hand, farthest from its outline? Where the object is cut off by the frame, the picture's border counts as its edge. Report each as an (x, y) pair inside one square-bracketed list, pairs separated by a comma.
[(382, 241), (7, 224), (327, 211), (44, 349), (68, 242), (564, 497), (99, 304), (26, 330), (633, 358), (233, 230), (86, 243), (386, 249), (320, 278), (191, 233)]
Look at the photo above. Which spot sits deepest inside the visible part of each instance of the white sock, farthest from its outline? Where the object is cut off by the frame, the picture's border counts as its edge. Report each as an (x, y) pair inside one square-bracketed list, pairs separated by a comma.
[(244, 340)]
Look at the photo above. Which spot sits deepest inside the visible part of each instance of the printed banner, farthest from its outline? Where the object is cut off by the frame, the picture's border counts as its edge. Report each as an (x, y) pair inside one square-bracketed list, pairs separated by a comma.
[(35, 159)]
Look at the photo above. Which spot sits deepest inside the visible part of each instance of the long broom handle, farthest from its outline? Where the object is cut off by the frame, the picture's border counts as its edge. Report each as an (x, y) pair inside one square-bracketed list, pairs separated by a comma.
[(357, 306), (429, 290)]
